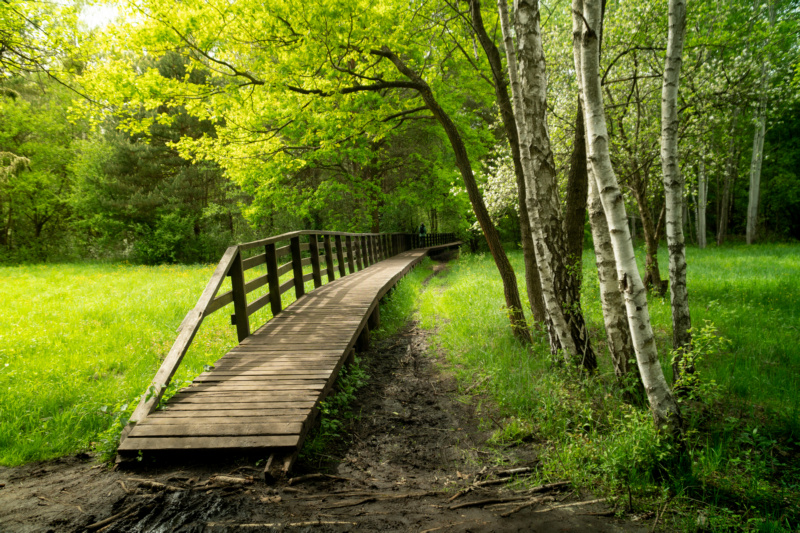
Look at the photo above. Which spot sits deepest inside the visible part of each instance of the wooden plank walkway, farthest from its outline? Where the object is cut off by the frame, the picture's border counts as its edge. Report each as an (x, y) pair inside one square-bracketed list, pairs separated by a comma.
[(264, 393)]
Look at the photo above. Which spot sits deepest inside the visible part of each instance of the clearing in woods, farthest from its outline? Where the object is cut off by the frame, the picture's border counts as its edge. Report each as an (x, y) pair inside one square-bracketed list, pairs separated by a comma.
[(414, 445)]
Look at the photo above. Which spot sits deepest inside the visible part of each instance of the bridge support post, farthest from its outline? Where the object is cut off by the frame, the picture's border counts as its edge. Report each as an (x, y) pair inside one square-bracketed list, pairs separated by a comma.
[(374, 320), (362, 342)]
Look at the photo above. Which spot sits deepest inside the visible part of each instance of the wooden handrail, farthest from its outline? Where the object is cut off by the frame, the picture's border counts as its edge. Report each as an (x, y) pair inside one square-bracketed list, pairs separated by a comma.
[(353, 251)]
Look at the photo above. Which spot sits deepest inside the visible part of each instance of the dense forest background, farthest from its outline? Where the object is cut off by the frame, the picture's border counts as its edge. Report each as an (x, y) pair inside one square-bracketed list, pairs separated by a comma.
[(79, 182)]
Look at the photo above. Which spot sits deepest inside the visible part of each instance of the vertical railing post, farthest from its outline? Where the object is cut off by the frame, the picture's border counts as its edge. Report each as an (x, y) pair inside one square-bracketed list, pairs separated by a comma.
[(350, 257), (297, 267), (313, 247), (272, 279), (240, 318), (328, 257), (365, 250), (340, 255)]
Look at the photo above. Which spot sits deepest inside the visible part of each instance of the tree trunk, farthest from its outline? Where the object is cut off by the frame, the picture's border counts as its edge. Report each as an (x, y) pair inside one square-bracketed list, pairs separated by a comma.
[(758, 146), (577, 189), (618, 332), (513, 304), (532, 281), (673, 186), (652, 272), (541, 181), (664, 408), (730, 169), (560, 336), (702, 201)]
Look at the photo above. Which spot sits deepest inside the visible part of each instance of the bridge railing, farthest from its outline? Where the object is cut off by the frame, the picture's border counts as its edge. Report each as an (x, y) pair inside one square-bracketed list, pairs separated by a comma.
[(328, 253)]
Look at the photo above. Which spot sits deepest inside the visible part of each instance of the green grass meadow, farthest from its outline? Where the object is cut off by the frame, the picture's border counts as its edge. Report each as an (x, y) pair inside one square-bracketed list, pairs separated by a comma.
[(79, 343), (744, 433)]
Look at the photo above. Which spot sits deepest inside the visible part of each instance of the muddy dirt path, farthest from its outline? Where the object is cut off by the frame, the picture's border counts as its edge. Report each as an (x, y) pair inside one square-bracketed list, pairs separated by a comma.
[(414, 446)]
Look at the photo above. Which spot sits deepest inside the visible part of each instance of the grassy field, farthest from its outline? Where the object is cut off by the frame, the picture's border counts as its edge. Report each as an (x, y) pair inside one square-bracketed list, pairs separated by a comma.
[(744, 437), (80, 342)]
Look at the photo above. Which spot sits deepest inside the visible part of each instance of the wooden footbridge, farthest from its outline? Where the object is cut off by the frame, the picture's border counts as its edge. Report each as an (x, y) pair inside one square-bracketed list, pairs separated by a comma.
[(264, 394)]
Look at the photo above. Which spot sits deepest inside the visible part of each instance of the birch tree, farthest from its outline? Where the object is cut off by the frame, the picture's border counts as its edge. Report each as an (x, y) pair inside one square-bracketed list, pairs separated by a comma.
[(560, 334), (673, 183), (529, 92), (665, 410)]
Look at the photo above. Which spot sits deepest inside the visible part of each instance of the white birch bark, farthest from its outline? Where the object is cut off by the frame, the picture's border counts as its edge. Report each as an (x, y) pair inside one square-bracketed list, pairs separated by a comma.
[(674, 182), (664, 408), (702, 203), (544, 258), (618, 332), (758, 148)]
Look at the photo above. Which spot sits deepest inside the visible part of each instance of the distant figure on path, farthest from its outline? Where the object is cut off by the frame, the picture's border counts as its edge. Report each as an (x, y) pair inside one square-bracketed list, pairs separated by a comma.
[(422, 230)]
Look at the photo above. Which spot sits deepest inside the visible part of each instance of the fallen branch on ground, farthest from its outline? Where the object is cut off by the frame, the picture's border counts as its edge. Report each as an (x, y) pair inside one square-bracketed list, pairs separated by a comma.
[(313, 477), (486, 502), (156, 485)]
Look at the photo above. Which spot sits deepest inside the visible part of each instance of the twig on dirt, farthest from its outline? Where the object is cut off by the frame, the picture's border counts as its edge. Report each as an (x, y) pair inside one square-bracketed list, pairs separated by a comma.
[(279, 524), (603, 513), (350, 503), (658, 516), (121, 514), (514, 471), (476, 384), (537, 500), (124, 488), (230, 480), (252, 469), (313, 477), (547, 487), (156, 485), (485, 502)]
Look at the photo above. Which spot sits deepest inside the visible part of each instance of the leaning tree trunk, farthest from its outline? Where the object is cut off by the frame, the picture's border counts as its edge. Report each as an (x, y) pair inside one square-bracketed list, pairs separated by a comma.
[(561, 336), (618, 332), (586, 17), (510, 290), (673, 186), (532, 281), (542, 180)]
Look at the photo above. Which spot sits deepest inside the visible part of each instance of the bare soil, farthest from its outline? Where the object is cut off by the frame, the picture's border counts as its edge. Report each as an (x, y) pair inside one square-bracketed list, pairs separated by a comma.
[(415, 444)]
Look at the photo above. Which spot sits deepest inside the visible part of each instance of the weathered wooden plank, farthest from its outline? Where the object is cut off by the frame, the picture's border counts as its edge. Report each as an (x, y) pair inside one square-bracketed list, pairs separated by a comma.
[(253, 385), (209, 443), (272, 379), (188, 418), (218, 303), (232, 410), (284, 268), (244, 397), (252, 262)]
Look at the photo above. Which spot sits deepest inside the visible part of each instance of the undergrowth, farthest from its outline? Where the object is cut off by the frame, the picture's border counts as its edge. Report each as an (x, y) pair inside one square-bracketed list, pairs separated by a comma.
[(336, 412), (743, 444)]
